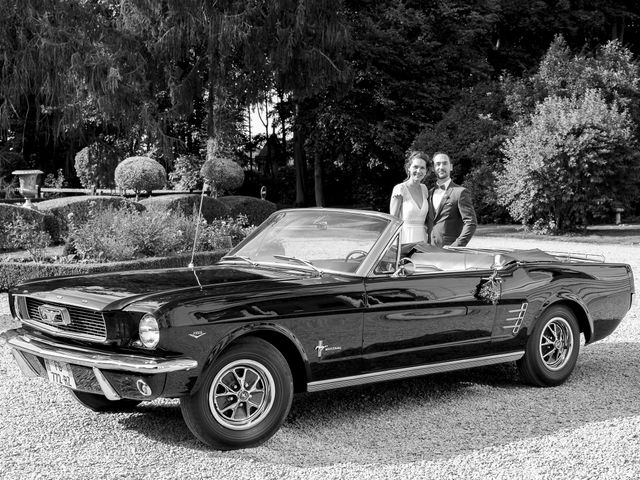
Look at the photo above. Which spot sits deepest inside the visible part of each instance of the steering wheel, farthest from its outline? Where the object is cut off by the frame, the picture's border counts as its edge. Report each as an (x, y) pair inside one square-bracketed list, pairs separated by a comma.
[(352, 253)]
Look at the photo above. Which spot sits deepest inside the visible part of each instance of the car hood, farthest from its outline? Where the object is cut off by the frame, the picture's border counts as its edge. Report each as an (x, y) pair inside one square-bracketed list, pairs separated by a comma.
[(114, 291)]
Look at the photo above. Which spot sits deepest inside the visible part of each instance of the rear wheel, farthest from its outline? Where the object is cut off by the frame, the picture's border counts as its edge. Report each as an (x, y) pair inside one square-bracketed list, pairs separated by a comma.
[(552, 349), (100, 403), (244, 398)]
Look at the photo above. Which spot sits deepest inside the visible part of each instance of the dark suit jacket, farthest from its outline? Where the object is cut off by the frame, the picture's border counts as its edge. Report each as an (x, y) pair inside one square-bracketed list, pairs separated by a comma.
[(454, 222)]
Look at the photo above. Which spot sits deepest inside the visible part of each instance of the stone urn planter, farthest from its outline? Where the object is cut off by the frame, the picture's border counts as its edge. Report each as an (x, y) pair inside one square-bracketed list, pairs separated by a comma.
[(29, 181)]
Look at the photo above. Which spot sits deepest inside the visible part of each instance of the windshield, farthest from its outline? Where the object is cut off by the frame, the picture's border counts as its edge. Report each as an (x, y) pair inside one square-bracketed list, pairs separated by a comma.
[(313, 239)]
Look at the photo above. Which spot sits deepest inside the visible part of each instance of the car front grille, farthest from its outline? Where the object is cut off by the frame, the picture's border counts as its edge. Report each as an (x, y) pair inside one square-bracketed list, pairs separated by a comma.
[(82, 322)]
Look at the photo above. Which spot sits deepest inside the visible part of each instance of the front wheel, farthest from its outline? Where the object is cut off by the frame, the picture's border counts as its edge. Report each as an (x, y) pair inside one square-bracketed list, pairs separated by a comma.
[(552, 349), (244, 398)]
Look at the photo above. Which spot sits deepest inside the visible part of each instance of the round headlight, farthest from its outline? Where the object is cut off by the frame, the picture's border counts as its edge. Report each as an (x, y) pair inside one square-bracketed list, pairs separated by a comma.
[(149, 331)]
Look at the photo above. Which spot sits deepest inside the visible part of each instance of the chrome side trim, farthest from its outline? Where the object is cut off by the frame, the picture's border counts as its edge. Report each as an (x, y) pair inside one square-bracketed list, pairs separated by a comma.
[(106, 387), (86, 357), (412, 371)]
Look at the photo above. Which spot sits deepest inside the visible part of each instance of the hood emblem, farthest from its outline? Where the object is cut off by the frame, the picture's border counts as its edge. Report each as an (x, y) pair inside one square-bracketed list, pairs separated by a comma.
[(54, 315), (197, 334)]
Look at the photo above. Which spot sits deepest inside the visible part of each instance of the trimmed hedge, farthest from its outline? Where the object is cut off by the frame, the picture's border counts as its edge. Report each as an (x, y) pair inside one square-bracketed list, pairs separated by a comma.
[(80, 206), (256, 209), (12, 273), (188, 204), (7, 212)]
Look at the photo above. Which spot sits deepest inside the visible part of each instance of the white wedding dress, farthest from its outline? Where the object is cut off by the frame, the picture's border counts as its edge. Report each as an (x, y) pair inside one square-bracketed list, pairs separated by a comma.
[(413, 216)]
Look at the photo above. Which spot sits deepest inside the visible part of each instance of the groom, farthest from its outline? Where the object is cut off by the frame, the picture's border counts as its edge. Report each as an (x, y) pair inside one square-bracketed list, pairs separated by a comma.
[(451, 219)]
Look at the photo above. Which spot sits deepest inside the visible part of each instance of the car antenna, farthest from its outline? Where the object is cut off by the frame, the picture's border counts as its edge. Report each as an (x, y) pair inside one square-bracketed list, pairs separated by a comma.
[(195, 237)]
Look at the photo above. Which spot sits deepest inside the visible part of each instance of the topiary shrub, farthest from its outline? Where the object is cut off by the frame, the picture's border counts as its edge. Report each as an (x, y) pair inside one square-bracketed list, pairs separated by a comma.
[(187, 204), (222, 173), (9, 213), (78, 210), (140, 174), (255, 209), (95, 165)]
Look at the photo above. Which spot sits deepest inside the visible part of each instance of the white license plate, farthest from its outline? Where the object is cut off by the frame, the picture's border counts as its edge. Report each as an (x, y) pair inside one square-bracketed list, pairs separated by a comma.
[(60, 373)]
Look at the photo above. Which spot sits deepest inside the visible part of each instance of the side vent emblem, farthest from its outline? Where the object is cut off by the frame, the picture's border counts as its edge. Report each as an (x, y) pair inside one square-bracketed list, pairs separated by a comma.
[(517, 319)]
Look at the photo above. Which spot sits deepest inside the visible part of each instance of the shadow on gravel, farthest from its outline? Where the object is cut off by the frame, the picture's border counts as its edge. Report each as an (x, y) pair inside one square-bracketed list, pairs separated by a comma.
[(430, 418), (161, 421), (445, 415)]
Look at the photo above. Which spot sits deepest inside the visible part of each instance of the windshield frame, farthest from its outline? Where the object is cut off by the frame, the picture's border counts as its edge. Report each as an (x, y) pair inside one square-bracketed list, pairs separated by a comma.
[(378, 247)]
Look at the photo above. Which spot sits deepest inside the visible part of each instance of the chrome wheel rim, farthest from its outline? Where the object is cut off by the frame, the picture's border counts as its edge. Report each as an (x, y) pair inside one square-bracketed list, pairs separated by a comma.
[(242, 394), (556, 343)]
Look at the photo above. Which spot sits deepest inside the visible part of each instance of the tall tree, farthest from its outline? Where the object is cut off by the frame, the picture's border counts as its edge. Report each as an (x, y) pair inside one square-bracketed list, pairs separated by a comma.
[(308, 38), (524, 29), (43, 45), (406, 71), (196, 45), (68, 74), (236, 50)]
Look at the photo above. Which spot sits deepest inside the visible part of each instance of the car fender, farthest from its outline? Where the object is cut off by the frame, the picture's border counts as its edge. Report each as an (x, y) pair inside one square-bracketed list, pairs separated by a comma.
[(277, 335), (585, 320)]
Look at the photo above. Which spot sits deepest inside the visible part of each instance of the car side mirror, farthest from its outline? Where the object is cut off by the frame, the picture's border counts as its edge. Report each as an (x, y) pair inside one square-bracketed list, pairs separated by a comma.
[(405, 268), (498, 262)]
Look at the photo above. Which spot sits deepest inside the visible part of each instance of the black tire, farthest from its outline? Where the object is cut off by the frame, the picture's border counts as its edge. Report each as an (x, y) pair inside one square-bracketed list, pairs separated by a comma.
[(227, 415), (552, 348), (100, 403)]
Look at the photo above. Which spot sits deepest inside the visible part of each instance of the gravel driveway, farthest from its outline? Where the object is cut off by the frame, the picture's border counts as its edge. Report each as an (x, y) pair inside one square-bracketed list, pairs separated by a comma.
[(481, 423)]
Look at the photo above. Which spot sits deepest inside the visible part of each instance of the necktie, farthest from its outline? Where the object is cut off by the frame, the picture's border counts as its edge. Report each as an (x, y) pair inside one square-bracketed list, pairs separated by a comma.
[(441, 187)]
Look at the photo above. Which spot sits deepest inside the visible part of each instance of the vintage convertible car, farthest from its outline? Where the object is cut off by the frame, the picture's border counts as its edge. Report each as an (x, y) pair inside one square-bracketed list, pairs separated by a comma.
[(313, 299)]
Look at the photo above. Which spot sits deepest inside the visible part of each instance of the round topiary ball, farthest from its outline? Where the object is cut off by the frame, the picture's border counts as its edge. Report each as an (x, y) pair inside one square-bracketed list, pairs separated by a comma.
[(140, 174), (223, 174)]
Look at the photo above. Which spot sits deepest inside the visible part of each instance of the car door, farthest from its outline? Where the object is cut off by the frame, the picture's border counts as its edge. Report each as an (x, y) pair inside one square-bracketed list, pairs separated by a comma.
[(426, 317)]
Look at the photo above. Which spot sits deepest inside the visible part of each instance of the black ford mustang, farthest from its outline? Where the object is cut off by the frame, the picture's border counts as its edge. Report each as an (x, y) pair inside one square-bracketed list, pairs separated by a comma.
[(313, 299)]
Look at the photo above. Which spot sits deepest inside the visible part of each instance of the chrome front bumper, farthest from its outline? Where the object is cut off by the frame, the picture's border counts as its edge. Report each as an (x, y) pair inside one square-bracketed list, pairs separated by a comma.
[(22, 342)]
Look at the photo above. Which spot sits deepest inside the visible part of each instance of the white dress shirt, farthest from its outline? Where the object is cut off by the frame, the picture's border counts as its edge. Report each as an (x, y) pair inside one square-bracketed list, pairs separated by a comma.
[(438, 193)]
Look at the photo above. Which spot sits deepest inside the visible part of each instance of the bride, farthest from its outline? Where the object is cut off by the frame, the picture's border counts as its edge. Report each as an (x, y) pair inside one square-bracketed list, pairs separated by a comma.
[(410, 200)]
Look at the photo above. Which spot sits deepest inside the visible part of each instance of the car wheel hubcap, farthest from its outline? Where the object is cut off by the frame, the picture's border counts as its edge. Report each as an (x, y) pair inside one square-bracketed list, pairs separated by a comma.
[(241, 394), (556, 343)]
